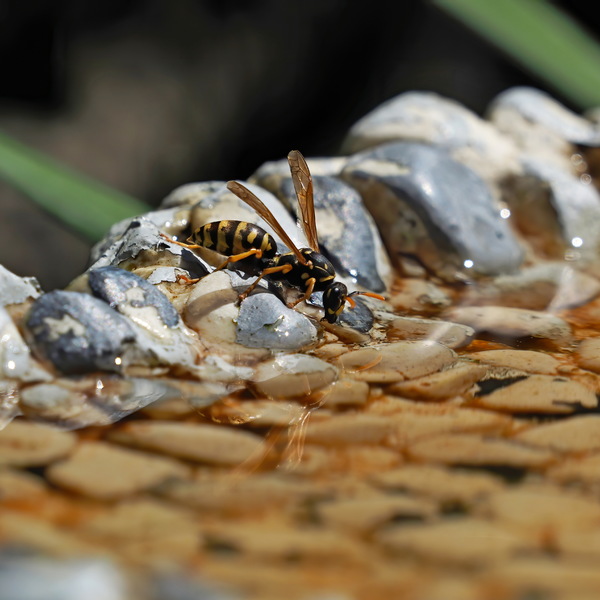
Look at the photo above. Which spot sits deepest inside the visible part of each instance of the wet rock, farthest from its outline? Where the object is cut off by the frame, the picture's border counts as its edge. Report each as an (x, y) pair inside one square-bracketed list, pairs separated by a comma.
[(418, 295), (512, 323), (15, 289), (293, 375), (269, 174), (539, 394), (546, 286), (16, 361), (440, 483), (452, 335), (481, 542), (347, 233), (396, 361), (588, 354), (556, 211), (78, 333), (26, 444), (354, 429), (347, 392), (448, 383), (432, 119), (104, 471), (476, 449), (433, 211), (265, 322), (577, 434), (582, 470), (20, 485), (353, 324), (521, 360), (197, 442), (258, 413)]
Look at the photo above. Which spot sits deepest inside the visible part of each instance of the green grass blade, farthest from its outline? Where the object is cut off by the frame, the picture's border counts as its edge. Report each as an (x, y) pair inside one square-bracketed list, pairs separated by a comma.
[(87, 207), (542, 38)]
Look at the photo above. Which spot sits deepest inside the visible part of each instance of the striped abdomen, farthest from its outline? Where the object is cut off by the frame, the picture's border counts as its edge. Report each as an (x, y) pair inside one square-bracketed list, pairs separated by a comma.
[(234, 237)]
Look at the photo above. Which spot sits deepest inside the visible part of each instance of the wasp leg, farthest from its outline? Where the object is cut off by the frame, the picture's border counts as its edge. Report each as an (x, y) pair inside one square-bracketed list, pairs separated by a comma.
[(309, 290), (187, 280), (268, 271), (189, 246), (257, 252)]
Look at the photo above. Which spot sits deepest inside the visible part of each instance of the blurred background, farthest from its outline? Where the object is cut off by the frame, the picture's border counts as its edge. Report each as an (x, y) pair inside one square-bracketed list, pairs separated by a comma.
[(145, 95)]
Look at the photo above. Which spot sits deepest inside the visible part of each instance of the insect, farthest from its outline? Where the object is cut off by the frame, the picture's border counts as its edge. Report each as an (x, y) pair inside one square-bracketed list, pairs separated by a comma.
[(305, 268)]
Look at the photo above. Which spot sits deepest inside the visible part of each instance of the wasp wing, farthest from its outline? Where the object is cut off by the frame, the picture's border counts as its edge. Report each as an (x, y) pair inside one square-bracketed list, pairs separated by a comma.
[(252, 200), (304, 191)]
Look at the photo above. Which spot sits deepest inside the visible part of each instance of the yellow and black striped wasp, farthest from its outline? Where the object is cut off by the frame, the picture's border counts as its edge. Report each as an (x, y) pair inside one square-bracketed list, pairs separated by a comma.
[(256, 251)]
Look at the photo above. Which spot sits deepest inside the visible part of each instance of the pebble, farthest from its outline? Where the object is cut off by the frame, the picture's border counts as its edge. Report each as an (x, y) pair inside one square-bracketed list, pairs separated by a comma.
[(293, 376), (107, 472), (453, 381), (191, 193), (512, 323), (475, 449), (452, 335), (554, 510), (78, 333), (356, 429), (190, 441), (576, 434), (396, 361), (481, 542), (258, 413), (414, 193), (545, 394), (439, 483), (26, 444), (347, 392), (265, 322), (363, 515), (16, 485), (578, 470), (545, 286), (418, 295), (521, 360), (588, 354), (241, 496)]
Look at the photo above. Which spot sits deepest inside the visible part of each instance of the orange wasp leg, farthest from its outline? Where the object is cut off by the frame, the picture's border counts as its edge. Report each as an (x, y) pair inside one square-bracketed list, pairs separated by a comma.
[(309, 290), (269, 271)]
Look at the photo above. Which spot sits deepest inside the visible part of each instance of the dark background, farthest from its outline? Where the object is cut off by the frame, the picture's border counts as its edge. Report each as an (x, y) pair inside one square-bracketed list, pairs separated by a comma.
[(147, 95)]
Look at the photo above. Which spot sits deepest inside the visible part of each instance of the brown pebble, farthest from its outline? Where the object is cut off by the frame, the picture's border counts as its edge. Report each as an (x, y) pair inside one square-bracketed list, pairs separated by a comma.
[(466, 542), (522, 360), (104, 471), (576, 434), (191, 441), (477, 449), (26, 444), (588, 354), (540, 394), (347, 392), (396, 361)]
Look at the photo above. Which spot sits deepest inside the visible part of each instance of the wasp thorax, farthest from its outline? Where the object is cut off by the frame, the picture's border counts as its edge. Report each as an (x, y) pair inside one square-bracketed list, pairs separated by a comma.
[(319, 267)]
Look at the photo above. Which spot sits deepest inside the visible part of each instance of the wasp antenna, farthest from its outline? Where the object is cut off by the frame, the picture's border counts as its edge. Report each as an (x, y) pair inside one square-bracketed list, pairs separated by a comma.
[(370, 294), (350, 301)]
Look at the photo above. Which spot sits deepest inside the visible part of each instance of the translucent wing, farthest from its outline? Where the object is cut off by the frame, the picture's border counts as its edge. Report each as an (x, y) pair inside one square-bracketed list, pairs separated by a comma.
[(304, 191), (243, 193)]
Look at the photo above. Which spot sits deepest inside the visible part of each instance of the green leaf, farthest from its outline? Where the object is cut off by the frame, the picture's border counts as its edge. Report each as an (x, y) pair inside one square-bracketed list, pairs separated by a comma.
[(542, 38), (89, 208)]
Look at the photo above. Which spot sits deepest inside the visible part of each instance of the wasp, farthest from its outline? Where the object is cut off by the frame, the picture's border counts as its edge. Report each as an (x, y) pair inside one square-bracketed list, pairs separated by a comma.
[(305, 269)]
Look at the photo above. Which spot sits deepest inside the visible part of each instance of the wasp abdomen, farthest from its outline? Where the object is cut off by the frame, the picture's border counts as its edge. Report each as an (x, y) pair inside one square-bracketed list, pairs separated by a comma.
[(234, 237)]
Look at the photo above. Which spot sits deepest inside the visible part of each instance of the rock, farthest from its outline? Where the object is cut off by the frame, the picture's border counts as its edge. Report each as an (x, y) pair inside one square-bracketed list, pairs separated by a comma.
[(15, 289), (107, 472), (576, 434), (417, 295), (521, 360), (192, 193), (191, 441), (433, 210), (26, 444), (505, 323), (78, 333), (396, 361), (265, 322), (452, 335), (293, 376), (588, 354)]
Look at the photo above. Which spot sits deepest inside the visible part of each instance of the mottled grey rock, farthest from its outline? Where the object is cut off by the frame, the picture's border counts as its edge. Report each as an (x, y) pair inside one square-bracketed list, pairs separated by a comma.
[(130, 295), (434, 211), (265, 322), (79, 333)]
